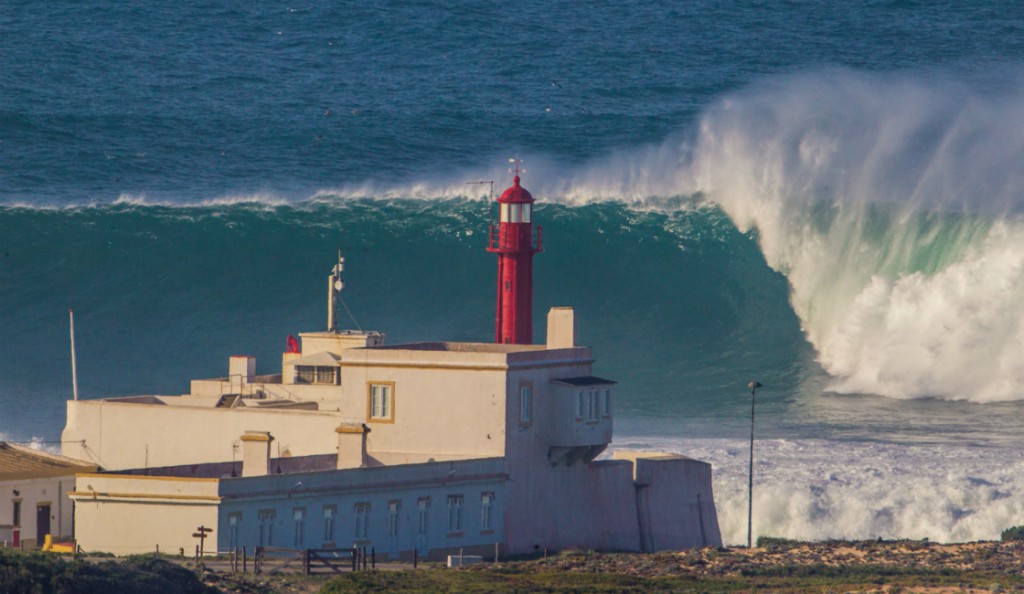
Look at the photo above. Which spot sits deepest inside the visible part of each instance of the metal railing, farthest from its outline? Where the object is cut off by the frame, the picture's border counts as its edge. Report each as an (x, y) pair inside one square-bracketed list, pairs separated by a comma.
[(494, 239)]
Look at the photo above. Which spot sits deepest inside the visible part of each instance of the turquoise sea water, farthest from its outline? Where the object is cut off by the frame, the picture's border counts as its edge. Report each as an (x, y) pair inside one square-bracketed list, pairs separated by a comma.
[(823, 196)]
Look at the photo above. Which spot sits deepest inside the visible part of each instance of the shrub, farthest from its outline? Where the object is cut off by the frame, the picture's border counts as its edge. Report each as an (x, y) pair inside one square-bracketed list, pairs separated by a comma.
[(774, 542), (1015, 533)]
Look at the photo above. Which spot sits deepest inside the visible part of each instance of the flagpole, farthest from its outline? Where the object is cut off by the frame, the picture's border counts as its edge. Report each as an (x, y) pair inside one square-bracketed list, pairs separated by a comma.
[(74, 367)]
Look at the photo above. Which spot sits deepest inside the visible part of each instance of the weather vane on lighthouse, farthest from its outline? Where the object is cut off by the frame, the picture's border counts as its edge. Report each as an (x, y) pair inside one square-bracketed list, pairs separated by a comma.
[(515, 242)]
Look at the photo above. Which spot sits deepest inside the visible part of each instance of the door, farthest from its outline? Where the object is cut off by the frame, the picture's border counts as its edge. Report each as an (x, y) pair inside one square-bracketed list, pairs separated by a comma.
[(42, 523)]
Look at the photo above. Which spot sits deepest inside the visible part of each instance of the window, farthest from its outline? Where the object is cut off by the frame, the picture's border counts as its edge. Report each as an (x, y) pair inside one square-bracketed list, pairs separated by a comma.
[(526, 213), (592, 412), (486, 503), (362, 520), (607, 411), (381, 402), (455, 513), (320, 374), (299, 533), (393, 508), (325, 375), (267, 517), (16, 515), (504, 213), (579, 404), (423, 507), (525, 404), (329, 512), (234, 519), (515, 213)]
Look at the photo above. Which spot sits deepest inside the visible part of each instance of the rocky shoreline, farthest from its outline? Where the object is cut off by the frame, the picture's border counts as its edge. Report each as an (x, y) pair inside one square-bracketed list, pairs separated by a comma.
[(776, 566)]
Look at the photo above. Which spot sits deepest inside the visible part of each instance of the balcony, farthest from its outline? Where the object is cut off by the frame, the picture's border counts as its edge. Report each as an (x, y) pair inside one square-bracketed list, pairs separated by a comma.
[(533, 243)]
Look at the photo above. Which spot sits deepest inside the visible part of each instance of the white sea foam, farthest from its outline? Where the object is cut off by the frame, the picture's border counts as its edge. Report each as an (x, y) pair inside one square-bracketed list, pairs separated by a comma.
[(264, 199), (897, 301), (817, 489)]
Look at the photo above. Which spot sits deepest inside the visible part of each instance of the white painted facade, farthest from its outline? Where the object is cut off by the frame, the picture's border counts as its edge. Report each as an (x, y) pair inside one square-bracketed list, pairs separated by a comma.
[(390, 418), (34, 498), (131, 515)]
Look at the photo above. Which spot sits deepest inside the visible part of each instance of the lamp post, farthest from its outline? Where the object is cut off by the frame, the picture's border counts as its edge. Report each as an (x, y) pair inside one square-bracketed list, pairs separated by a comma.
[(753, 385)]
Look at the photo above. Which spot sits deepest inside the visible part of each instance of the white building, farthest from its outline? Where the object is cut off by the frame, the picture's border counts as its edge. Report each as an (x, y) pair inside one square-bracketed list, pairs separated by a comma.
[(376, 436), (34, 501)]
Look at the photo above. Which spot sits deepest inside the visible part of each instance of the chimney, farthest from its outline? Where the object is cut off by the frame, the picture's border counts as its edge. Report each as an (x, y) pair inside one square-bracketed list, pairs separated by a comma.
[(256, 453), (242, 367), (352, 445), (561, 328)]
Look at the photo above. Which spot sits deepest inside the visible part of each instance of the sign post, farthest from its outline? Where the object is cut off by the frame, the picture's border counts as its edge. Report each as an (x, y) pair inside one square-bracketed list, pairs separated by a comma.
[(201, 533)]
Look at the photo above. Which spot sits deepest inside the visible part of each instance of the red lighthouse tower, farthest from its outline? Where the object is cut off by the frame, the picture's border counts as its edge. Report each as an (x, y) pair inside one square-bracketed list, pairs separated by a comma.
[(513, 240)]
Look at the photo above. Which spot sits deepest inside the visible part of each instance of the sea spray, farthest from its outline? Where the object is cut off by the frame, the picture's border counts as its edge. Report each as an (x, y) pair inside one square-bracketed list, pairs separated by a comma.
[(818, 490), (890, 203)]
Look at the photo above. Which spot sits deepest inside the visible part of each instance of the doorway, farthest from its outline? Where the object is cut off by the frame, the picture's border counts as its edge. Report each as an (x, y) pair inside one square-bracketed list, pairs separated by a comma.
[(42, 523)]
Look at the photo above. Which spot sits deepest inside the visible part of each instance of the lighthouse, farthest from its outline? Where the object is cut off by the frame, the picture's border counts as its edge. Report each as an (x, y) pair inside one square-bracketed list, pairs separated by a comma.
[(515, 242)]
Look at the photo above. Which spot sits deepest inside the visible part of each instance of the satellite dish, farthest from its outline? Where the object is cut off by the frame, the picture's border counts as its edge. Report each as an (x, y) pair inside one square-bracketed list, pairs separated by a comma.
[(338, 285)]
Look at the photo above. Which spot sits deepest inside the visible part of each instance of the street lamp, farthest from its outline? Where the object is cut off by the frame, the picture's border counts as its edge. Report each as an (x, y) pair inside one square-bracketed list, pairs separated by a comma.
[(753, 385)]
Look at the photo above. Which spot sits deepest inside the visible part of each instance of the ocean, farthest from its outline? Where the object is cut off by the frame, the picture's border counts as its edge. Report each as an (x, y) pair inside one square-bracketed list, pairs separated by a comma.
[(825, 197)]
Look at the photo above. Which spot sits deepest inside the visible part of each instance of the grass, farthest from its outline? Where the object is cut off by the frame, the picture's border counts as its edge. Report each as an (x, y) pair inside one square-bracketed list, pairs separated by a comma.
[(49, 573)]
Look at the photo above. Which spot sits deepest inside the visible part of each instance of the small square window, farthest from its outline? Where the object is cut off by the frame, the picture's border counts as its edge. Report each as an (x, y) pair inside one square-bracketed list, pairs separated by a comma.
[(381, 402)]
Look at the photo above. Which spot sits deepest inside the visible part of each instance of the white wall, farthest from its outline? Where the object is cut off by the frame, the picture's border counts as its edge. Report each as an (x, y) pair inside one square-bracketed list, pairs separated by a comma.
[(32, 493), (128, 515), (119, 436)]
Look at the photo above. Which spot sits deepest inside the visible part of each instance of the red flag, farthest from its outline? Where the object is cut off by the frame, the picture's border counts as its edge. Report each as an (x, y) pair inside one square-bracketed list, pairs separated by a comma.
[(293, 345)]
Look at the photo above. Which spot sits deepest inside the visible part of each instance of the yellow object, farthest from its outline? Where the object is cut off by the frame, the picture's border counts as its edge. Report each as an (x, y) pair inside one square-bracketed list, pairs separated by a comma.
[(60, 547)]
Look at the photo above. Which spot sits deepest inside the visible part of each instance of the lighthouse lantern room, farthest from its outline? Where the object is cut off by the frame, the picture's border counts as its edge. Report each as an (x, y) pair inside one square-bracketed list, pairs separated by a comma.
[(515, 242)]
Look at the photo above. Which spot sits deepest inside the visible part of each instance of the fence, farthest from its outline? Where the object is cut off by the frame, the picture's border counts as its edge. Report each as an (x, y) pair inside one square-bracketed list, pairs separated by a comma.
[(272, 560)]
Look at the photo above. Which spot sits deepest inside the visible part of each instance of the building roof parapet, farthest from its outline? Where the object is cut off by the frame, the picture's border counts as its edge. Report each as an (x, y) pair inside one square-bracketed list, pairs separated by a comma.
[(463, 355), (362, 479)]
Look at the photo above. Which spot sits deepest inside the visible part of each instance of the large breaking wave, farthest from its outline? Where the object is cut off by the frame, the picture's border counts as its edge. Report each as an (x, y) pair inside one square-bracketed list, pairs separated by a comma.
[(891, 204)]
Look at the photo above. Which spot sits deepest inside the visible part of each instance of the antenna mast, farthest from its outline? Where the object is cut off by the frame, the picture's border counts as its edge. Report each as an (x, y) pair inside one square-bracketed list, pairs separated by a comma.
[(335, 285), (74, 367), (490, 182)]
